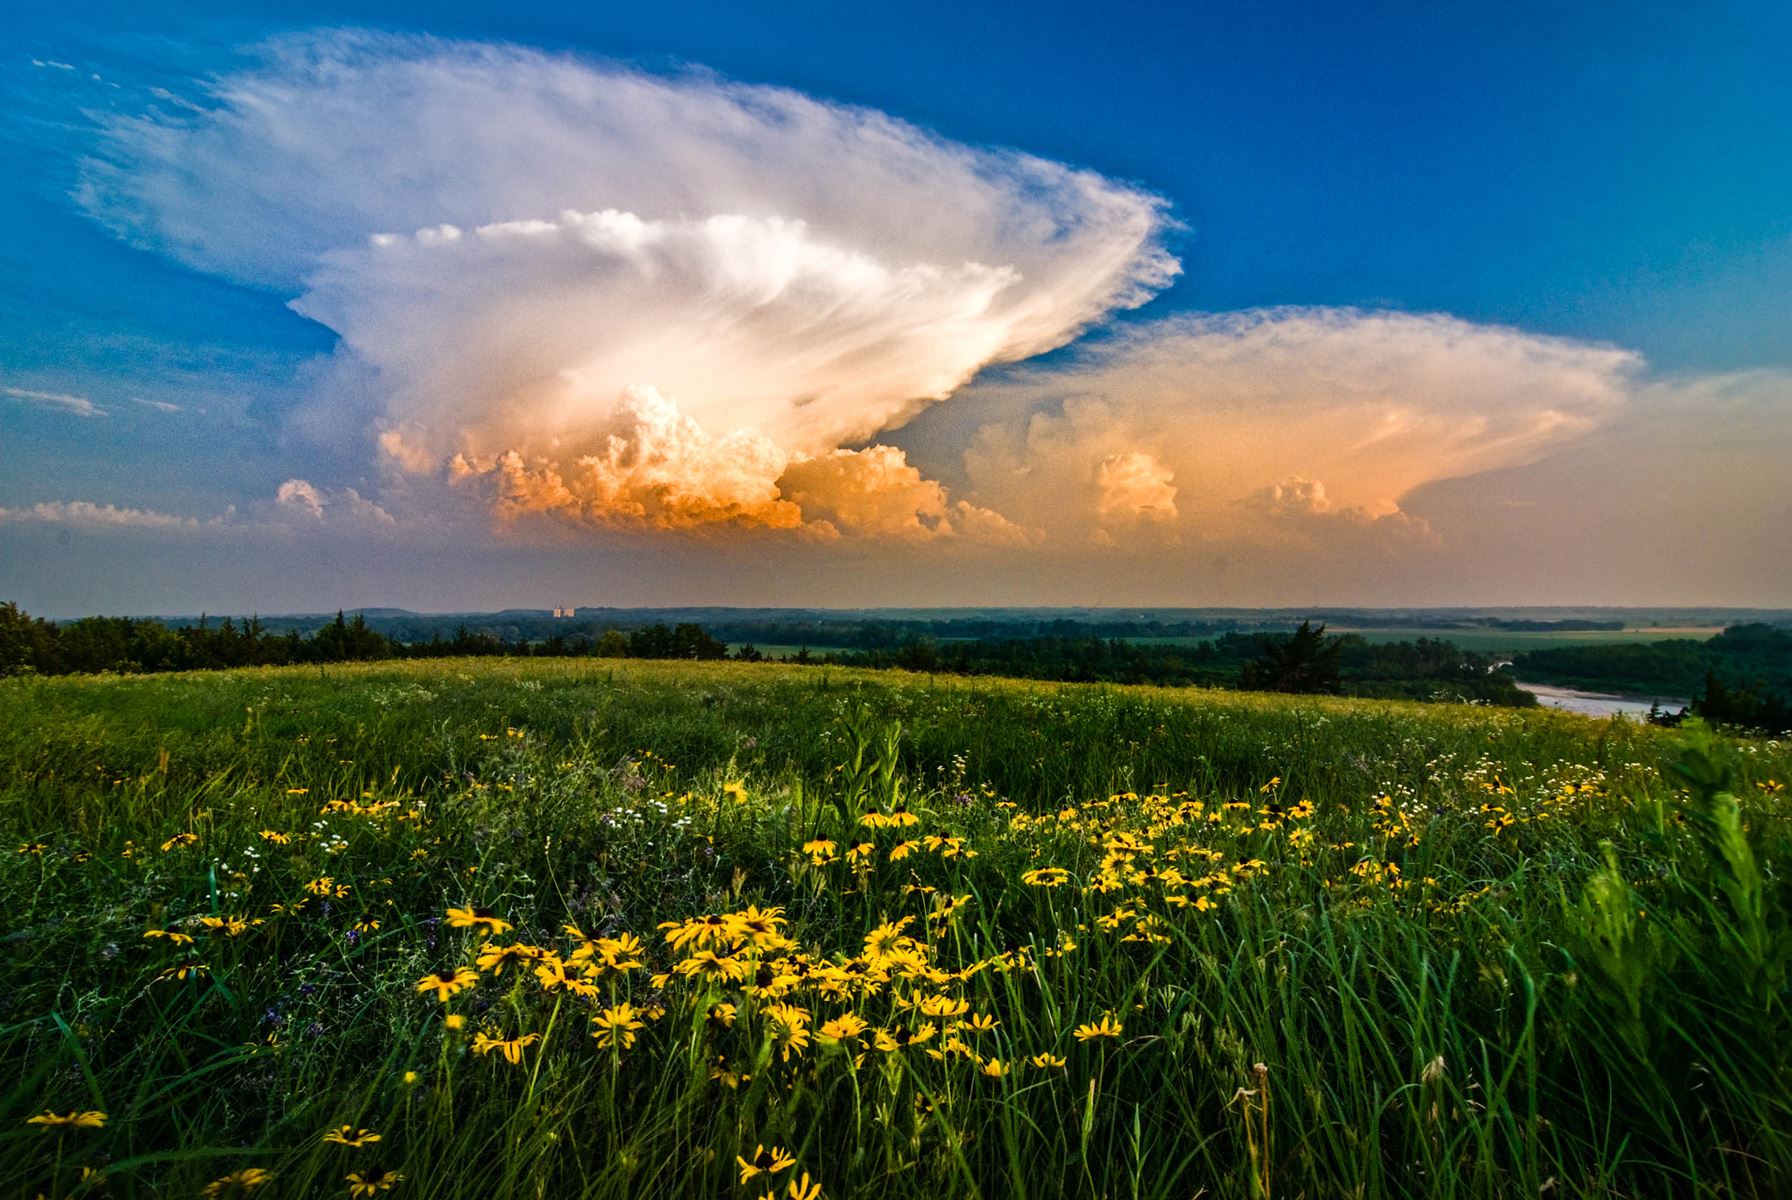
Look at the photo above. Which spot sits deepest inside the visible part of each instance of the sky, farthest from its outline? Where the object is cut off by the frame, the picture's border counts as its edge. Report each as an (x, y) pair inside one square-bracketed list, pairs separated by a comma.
[(453, 308)]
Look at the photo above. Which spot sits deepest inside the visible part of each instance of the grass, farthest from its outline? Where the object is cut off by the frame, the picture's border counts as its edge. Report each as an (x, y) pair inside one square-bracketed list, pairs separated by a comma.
[(1134, 943)]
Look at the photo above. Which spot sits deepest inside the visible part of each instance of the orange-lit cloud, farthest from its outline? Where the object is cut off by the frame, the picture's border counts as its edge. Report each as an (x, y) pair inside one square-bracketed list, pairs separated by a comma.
[(1221, 426)]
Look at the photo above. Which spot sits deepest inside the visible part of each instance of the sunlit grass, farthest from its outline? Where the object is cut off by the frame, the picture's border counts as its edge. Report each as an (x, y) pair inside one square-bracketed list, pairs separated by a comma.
[(495, 928)]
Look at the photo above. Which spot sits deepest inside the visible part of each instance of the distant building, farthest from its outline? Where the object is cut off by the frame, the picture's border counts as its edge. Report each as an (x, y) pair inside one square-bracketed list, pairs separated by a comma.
[(564, 613)]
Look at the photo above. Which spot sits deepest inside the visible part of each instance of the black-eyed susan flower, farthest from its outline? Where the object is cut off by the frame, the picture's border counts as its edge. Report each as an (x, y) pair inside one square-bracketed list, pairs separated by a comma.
[(765, 1162), (238, 1183), (481, 920), (1107, 1027), (1046, 1060), (995, 1068), (616, 1026), (373, 1182), (511, 1048), (447, 983), (348, 1135), (186, 970), (697, 932), (1044, 876), (707, 964), (172, 936), (92, 1118), (843, 1028), (802, 1189)]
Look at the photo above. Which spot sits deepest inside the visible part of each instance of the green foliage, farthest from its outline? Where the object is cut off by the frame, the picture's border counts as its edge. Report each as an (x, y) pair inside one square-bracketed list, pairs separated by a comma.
[(1483, 953)]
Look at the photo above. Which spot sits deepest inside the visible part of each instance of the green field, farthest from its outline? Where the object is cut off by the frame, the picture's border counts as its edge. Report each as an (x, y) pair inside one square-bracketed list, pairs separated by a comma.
[(922, 938)]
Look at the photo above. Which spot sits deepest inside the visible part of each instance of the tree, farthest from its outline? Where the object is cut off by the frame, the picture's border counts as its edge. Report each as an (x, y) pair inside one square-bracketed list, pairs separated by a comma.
[(1305, 661)]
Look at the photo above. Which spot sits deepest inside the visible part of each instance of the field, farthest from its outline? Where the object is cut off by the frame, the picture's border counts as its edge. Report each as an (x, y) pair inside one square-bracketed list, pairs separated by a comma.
[(552, 928)]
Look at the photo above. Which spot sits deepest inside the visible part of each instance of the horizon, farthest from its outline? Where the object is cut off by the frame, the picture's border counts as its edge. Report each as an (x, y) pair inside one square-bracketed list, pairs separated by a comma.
[(959, 309)]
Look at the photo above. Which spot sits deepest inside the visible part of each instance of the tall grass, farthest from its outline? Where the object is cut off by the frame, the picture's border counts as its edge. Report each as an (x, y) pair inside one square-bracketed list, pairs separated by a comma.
[(1353, 948)]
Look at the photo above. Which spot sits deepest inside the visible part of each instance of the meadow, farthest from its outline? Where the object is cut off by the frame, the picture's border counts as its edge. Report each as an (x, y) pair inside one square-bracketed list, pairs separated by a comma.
[(574, 927)]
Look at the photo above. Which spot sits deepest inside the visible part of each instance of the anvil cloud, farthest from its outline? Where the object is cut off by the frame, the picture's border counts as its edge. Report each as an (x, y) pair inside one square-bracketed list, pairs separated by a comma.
[(629, 299)]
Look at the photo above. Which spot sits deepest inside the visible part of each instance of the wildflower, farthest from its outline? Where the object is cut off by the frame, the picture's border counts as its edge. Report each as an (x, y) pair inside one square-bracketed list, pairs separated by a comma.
[(721, 1015), (368, 1183), (902, 850), (185, 970), (765, 1162), (710, 965), (237, 1182), (994, 1068), (887, 940), (619, 952), (446, 983), (274, 837), (981, 1022), (511, 1048), (1046, 1060), (91, 1119), (480, 919), (617, 1025), (33, 848), (174, 938), (496, 958), (348, 1135), (1045, 876), (902, 1036), (820, 851), (802, 1189), (845, 1027), (454, 1022), (697, 932), (228, 926), (179, 840), (1107, 1027), (758, 927)]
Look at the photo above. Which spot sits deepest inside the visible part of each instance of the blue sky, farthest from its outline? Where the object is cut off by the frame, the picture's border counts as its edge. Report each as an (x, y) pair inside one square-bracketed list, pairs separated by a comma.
[(1617, 175)]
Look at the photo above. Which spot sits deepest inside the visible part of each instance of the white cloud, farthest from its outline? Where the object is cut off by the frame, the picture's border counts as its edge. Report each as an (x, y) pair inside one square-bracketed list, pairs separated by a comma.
[(80, 406), (518, 246), (86, 513), (300, 499)]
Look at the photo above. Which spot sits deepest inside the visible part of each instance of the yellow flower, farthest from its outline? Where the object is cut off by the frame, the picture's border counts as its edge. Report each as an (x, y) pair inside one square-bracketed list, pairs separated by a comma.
[(93, 1118), (710, 965), (616, 1026), (481, 919), (174, 938), (802, 1189), (844, 1027), (274, 837), (1046, 1060), (1045, 876), (994, 1068), (697, 932), (454, 1021), (348, 1135), (368, 1183), (1107, 1027), (820, 851), (511, 1048), (446, 983), (765, 1162), (238, 1182)]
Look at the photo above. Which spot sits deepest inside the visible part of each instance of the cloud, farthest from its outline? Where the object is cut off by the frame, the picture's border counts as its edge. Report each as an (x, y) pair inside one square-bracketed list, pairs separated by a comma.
[(301, 500), (80, 406), (161, 406), (85, 513), (1220, 426), (619, 297)]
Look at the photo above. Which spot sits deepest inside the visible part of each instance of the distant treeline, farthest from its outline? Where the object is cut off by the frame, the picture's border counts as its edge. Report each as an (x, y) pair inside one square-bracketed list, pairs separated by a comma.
[(1743, 676), (1344, 664), (131, 645)]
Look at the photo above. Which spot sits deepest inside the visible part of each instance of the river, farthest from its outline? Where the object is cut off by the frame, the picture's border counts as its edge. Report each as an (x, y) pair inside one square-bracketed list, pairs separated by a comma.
[(1595, 704)]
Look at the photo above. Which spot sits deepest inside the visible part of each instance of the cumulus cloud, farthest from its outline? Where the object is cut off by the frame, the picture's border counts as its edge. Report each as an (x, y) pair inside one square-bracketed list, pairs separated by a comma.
[(1218, 423), (80, 406), (618, 296), (301, 499)]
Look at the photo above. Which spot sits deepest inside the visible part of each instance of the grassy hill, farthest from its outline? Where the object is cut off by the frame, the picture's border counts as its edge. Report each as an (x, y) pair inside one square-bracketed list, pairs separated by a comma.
[(592, 928)]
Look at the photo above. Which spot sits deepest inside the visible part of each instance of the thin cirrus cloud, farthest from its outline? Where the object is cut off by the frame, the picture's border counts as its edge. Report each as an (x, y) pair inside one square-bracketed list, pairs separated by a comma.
[(67, 402), (666, 302)]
